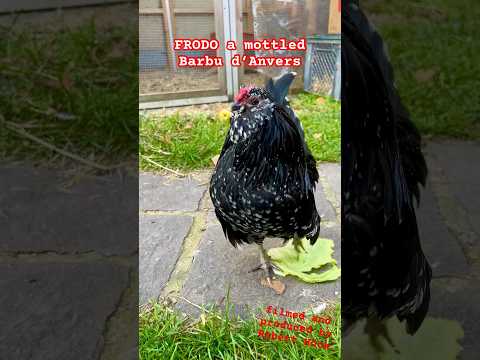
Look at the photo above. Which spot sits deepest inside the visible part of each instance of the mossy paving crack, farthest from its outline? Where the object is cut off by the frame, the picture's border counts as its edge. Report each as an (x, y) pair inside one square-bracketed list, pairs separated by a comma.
[(190, 244), (453, 214), (330, 195)]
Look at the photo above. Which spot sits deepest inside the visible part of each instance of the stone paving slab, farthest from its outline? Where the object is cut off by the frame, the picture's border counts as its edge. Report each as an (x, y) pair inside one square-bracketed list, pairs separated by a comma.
[(161, 239), (324, 208), (458, 299), (218, 265), (460, 162), (89, 216), (63, 315), (442, 250), (333, 174), (170, 194)]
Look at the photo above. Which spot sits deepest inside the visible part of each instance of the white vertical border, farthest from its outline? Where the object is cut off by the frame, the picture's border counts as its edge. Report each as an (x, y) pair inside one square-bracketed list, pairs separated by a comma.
[(235, 37), (168, 16), (227, 28)]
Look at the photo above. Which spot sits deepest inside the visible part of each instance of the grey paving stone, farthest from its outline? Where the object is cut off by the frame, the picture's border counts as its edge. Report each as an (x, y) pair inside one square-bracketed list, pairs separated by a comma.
[(57, 311), (442, 250), (161, 239), (458, 299), (217, 265), (37, 213), (460, 162), (169, 194), (324, 208), (333, 174)]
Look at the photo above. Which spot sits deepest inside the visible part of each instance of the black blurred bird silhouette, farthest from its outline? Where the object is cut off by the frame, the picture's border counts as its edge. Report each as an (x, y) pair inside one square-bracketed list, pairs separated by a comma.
[(385, 273), (263, 183)]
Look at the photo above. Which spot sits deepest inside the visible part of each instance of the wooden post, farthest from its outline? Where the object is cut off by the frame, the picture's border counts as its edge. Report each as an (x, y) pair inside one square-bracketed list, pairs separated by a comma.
[(239, 39), (334, 19), (311, 7), (168, 16), (220, 35)]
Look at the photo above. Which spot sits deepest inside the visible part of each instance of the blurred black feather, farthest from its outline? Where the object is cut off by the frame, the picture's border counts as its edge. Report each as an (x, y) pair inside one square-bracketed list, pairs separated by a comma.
[(386, 272)]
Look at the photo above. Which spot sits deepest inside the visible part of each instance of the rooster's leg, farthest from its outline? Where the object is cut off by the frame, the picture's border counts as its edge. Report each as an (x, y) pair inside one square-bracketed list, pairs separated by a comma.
[(265, 264), (375, 329)]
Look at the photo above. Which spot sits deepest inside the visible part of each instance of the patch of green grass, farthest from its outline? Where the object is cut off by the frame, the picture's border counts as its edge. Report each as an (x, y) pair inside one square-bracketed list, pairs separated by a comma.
[(320, 118), (180, 142), (75, 89), (165, 335), (436, 58), (189, 142)]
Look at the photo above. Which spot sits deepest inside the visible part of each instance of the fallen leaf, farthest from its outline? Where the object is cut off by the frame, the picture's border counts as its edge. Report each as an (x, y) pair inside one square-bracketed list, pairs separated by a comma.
[(275, 284), (315, 264), (320, 101), (317, 136)]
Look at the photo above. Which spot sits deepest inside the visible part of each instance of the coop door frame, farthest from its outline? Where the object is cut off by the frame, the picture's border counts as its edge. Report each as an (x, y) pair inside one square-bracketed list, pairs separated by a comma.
[(228, 27), (233, 31)]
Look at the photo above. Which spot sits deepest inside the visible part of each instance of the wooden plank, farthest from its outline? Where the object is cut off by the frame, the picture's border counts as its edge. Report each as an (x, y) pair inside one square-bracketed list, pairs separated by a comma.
[(182, 102), (247, 13), (150, 12), (239, 34), (167, 41), (194, 12), (334, 20), (312, 16), (218, 16), (169, 33), (32, 5), (196, 4), (227, 31), (173, 30), (197, 11), (179, 95)]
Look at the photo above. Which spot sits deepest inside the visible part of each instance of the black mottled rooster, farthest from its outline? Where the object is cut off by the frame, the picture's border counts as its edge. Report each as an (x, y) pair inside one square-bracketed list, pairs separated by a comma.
[(263, 184), (385, 272)]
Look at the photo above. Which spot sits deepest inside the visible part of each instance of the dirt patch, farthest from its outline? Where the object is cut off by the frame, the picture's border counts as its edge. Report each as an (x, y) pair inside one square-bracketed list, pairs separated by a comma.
[(166, 81)]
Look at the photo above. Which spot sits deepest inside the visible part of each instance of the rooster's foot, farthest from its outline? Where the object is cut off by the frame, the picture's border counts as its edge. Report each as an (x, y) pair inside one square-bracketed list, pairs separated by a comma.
[(268, 267), (375, 329)]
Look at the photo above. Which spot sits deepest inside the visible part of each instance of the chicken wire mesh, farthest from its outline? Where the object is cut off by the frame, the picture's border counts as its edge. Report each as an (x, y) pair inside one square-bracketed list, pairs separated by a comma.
[(158, 74), (153, 50), (322, 65), (290, 19)]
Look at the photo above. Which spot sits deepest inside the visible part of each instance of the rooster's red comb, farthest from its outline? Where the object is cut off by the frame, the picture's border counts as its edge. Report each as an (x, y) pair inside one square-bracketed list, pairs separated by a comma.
[(242, 93)]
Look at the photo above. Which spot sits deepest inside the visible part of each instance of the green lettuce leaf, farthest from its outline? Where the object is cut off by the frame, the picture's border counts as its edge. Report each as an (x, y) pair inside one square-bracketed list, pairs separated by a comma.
[(314, 264)]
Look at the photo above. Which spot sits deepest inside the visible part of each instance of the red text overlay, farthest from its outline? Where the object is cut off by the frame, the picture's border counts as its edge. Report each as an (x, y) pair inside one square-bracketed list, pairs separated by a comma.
[(315, 329), (204, 53)]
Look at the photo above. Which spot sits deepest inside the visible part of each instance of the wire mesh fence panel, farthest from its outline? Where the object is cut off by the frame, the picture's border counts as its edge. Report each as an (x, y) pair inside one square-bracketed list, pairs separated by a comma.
[(153, 55), (161, 77), (195, 26), (292, 19), (322, 69)]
